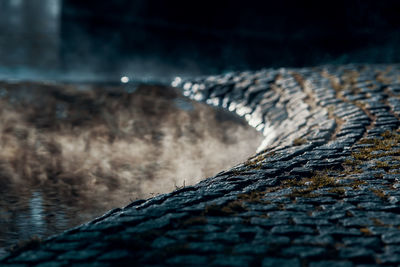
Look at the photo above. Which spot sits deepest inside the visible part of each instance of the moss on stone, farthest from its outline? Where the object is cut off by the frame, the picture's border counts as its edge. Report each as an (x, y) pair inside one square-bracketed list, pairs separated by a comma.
[(255, 163), (384, 146), (197, 220), (303, 192), (338, 191), (355, 184), (253, 197), (231, 208), (382, 78), (386, 165), (377, 222), (380, 194), (309, 185), (299, 141), (365, 231)]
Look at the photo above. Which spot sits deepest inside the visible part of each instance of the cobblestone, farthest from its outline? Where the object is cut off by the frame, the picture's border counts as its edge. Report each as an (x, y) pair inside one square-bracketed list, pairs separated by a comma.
[(322, 189)]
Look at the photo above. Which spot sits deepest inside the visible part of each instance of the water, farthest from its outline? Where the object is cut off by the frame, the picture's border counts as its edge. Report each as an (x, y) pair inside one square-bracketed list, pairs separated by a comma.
[(69, 153)]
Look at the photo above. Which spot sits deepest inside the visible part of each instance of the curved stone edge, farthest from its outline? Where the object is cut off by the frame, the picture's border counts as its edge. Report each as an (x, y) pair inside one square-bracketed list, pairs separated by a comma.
[(313, 121)]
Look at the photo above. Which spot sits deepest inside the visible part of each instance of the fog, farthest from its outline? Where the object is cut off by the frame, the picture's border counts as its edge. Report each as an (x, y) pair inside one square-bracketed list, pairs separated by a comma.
[(71, 152), (77, 142), (154, 40), (74, 144)]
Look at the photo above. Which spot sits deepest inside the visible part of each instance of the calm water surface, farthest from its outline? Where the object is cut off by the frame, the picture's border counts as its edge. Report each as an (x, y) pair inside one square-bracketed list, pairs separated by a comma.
[(69, 153)]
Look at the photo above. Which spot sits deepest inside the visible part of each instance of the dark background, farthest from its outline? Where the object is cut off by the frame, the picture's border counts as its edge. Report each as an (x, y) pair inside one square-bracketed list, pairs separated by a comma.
[(154, 38), (233, 34)]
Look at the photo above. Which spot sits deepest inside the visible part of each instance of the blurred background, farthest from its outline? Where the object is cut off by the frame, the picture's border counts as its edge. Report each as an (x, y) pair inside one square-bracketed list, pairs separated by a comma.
[(69, 152), (154, 40)]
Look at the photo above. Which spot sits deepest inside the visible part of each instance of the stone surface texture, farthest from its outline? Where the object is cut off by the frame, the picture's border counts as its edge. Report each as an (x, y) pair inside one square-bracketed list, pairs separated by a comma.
[(323, 189)]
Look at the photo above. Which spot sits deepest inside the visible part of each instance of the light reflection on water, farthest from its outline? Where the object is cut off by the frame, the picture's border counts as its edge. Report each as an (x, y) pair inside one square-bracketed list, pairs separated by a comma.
[(69, 153), (36, 212), (31, 215)]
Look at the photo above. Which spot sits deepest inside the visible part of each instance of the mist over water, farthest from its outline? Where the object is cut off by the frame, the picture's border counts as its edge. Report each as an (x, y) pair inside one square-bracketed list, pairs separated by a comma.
[(154, 40), (71, 152)]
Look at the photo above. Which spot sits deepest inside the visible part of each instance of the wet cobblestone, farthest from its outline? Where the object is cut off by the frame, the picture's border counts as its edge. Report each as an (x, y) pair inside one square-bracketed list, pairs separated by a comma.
[(322, 190)]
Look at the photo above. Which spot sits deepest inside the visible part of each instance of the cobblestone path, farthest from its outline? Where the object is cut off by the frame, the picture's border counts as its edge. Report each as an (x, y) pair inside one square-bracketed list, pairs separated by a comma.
[(322, 190)]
